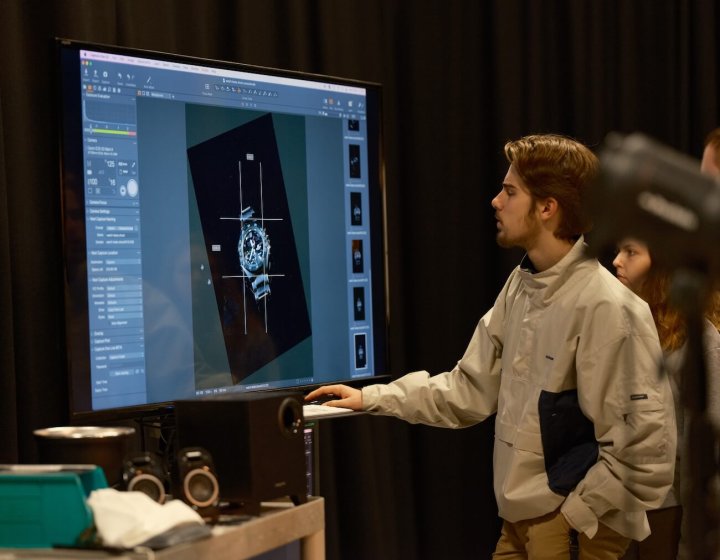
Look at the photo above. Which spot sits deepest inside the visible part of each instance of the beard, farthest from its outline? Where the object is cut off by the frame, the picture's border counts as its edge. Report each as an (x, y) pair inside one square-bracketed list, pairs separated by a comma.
[(523, 239)]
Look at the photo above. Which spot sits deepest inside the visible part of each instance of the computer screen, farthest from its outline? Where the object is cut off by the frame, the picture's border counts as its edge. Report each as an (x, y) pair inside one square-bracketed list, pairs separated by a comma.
[(222, 228)]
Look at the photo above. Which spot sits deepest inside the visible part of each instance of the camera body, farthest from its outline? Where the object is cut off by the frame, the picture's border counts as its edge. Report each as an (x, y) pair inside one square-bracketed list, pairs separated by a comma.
[(648, 191)]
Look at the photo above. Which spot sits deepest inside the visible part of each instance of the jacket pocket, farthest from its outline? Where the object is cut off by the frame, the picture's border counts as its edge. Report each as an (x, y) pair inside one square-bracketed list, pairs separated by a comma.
[(568, 439)]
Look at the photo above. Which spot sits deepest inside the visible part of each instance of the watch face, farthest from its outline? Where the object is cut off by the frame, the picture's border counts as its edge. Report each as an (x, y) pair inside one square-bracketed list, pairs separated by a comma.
[(253, 247)]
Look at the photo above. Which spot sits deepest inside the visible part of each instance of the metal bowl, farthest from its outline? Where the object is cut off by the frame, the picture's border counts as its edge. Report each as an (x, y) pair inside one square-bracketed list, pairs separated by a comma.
[(105, 447)]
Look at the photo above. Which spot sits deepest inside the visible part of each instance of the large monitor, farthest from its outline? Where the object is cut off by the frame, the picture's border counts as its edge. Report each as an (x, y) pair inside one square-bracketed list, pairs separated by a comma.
[(222, 229)]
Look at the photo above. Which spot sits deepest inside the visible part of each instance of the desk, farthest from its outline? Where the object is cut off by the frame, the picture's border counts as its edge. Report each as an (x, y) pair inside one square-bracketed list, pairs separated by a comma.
[(278, 524)]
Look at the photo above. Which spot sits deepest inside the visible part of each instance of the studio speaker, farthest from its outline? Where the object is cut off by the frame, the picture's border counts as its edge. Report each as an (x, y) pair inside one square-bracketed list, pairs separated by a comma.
[(144, 472), (196, 481), (256, 441)]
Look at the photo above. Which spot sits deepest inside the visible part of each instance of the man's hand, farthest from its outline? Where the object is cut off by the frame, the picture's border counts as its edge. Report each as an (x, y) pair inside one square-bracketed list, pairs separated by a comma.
[(344, 396)]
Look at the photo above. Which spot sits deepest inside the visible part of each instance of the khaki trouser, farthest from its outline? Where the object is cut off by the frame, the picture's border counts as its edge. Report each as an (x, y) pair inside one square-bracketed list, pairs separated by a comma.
[(550, 537)]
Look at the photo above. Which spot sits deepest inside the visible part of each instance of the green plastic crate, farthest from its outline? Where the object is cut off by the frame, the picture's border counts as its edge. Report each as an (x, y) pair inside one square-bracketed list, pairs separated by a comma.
[(46, 509)]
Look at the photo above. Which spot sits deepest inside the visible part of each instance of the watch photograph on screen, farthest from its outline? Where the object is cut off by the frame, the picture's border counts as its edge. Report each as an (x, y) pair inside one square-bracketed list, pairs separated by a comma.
[(243, 215), (254, 254)]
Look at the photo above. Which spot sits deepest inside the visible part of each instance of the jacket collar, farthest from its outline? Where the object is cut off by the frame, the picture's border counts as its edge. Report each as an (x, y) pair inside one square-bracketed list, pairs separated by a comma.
[(541, 286)]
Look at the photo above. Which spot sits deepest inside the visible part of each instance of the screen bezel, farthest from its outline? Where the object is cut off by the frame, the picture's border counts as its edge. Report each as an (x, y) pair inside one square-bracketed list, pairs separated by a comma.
[(74, 261)]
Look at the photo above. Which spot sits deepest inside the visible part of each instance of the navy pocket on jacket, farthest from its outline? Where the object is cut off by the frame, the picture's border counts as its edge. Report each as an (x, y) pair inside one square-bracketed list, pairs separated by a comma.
[(568, 437)]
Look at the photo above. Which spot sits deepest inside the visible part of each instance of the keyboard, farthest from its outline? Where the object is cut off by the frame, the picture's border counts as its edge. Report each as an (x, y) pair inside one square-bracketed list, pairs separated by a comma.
[(320, 411)]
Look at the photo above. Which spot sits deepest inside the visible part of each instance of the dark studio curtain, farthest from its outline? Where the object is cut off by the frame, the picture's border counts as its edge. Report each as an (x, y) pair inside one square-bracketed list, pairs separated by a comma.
[(460, 78)]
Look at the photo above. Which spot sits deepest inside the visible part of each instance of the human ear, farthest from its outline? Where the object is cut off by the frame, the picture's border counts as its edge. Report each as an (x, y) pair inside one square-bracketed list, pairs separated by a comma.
[(548, 208)]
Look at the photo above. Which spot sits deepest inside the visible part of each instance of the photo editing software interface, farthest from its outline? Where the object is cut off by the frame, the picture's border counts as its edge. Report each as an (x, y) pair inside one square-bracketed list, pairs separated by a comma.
[(223, 235)]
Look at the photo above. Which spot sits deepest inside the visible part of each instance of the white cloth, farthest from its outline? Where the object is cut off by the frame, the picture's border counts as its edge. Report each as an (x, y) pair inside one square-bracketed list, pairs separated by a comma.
[(127, 519)]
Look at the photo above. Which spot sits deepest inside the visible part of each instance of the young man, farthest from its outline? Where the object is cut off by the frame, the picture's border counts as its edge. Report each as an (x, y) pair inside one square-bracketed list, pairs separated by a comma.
[(568, 359), (710, 163)]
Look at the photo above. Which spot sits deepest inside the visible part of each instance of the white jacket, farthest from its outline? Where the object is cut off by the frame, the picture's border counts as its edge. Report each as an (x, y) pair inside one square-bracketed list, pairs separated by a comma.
[(576, 344)]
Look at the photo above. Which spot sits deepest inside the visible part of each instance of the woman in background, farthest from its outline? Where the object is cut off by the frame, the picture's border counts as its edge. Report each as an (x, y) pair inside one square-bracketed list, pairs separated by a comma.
[(634, 268)]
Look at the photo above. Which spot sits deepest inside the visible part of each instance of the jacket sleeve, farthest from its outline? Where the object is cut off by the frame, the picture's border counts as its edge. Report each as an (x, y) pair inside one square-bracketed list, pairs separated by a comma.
[(630, 404), (462, 397)]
